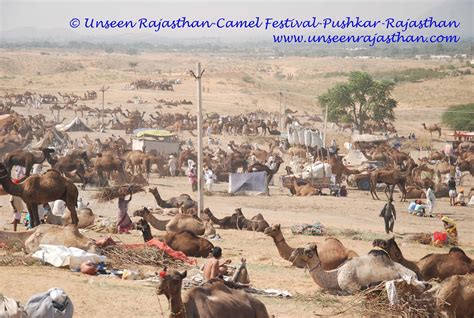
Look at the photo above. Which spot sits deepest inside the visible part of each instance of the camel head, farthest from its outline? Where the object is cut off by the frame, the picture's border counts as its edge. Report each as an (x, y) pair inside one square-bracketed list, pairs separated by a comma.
[(304, 253), (238, 211), (170, 283), (272, 230), (153, 190), (141, 212)]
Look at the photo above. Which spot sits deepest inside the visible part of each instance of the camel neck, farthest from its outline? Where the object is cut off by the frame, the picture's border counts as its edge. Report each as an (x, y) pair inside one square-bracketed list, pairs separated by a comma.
[(158, 198), (283, 248), (8, 185), (327, 280), (178, 309)]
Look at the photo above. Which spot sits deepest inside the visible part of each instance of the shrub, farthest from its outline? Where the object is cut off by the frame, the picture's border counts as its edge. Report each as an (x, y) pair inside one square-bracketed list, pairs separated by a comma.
[(460, 117)]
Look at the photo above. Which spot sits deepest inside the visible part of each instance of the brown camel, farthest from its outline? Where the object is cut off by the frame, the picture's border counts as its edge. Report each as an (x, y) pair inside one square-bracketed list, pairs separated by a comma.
[(432, 128), (339, 169), (257, 223), (331, 251), (415, 193), (228, 222), (136, 161), (214, 299), (68, 236), (455, 296), (189, 243), (303, 190), (107, 164), (178, 223), (175, 202), (25, 159), (391, 177), (75, 161), (39, 189), (440, 266)]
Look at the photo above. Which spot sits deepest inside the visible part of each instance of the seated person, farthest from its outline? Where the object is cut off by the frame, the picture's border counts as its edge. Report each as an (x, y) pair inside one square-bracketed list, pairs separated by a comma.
[(213, 268), (411, 207), (460, 199), (343, 191), (420, 208), (451, 231)]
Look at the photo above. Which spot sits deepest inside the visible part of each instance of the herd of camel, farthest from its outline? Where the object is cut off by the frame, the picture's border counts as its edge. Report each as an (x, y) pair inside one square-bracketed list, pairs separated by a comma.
[(331, 265)]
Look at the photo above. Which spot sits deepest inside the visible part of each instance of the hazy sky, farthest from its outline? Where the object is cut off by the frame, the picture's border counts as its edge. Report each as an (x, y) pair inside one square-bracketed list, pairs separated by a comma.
[(55, 15)]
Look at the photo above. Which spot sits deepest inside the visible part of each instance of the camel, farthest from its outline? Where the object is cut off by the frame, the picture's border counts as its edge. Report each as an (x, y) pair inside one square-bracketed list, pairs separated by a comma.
[(339, 169), (432, 128), (174, 202), (257, 223), (76, 162), (354, 274), (214, 299), (39, 189), (332, 252), (228, 222), (392, 249), (86, 218), (136, 161), (455, 296), (25, 159), (189, 243), (107, 164), (440, 266), (391, 177), (178, 223), (415, 193), (68, 236), (304, 190)]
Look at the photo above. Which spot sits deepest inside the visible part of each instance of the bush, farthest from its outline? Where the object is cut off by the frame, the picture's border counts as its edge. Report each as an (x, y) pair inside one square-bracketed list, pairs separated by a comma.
[(410, 75), (248, 79), (460, 117)]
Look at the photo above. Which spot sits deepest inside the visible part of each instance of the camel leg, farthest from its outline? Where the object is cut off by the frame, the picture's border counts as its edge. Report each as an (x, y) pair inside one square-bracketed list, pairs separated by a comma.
[(34, 217)]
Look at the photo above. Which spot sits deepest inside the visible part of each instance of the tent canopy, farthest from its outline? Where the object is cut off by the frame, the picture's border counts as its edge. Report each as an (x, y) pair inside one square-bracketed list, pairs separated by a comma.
[(154, 133), (75, 125)]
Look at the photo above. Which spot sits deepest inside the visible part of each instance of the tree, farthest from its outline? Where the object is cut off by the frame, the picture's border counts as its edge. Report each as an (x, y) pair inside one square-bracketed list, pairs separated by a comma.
[(360, 100), (133, 65), (460, 117)]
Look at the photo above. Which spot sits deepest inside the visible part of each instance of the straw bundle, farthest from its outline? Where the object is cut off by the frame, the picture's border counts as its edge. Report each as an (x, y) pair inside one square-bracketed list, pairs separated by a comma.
[(111, 193)]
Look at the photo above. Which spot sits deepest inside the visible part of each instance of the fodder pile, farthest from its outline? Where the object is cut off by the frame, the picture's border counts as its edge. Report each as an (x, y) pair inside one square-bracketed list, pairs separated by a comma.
[(120, 256), (17, 259), (111, 193)]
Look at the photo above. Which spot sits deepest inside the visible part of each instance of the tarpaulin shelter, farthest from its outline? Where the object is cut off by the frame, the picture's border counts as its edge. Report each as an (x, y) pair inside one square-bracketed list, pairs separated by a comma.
[(251, 181), (75, 125)]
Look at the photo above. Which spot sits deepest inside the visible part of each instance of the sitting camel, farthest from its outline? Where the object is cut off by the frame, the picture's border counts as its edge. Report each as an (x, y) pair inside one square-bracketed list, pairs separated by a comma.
[(331, 251), (354, 274), (455, 296), (86, 218), (68, 236), (175, 202), (178, 223), (186, 241), (257, 223), (214, 299), (228, 222), (304, 190), (440, 266), (39, 189)]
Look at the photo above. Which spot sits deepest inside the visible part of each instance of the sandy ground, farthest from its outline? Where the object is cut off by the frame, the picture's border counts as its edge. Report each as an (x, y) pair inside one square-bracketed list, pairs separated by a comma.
[(100, 296)]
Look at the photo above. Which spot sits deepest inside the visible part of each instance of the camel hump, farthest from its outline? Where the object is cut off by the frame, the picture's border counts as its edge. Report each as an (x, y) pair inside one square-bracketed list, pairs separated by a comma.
[(379, 253), (455, 250)]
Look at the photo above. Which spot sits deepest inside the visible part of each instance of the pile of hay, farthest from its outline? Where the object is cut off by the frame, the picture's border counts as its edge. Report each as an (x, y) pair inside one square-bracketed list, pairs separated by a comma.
[(422, 238), (120, 256), (110, 193), (17, 259)]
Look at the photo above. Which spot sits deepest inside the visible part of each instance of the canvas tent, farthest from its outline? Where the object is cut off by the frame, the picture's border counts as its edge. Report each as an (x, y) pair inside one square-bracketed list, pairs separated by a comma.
[(354, 158), (252, 181), (75, 125)]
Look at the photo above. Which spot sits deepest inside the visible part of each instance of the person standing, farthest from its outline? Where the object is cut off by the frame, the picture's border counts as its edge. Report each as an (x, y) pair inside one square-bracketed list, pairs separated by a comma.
[(17, 205), (192, 177), (452, 191), (124, 223), (209, 177), (172, 163), (389, 215), (430, 200)]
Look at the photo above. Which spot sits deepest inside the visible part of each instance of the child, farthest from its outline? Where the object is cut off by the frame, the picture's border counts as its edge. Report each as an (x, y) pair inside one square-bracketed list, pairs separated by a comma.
[(213, 268)]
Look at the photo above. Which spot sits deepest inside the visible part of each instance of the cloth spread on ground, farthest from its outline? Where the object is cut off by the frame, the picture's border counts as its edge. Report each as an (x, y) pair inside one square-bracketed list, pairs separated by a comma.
[(253, 181), (308, 229), (391, 287), (60, 256), (164, 247)]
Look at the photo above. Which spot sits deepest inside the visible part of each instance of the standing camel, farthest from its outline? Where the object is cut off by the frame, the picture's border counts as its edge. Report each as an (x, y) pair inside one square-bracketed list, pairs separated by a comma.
[(39, 189), (432, 128)]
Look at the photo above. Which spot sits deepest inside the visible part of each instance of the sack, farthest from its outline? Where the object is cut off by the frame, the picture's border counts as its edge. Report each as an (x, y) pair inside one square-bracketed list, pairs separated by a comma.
[(9, 308), (52, 304), (440, 237)]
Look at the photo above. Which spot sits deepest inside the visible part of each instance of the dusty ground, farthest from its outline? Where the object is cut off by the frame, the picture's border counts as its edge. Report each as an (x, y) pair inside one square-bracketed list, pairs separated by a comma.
[(98, 296)]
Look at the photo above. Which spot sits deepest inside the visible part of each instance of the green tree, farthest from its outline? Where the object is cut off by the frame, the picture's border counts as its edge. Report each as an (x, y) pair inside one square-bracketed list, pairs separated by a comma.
[(360, 99), (460, 117)]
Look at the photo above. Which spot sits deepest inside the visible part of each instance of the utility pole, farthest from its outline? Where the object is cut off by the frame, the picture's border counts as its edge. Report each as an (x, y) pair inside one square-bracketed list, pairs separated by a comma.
[(199, 169), (280, 118), (325, 126), (103, 89)]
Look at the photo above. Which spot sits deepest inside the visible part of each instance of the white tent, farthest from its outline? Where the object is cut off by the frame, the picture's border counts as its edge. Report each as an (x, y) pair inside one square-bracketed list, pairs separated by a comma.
[(354, 158), (253, 181), (75, 125)]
